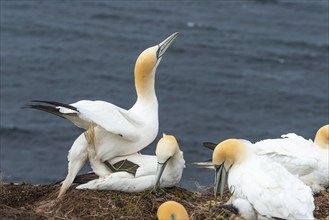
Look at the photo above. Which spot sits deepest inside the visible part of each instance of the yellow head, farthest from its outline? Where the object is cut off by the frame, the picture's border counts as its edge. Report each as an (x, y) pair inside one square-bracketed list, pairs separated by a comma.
[(167, 147), (224, 156), (228, 152), (172, 210), (147, 63), (322, 137)]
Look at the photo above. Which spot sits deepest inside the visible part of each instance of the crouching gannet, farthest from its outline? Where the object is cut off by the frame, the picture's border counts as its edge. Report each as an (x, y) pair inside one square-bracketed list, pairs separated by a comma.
[(117, 131), (165, 170), (172, 210), (260, 183), (304, 158)]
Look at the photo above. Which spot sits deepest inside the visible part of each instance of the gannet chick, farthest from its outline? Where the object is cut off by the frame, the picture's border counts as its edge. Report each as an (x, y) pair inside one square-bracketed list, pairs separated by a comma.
[(242, 210), (116, 131), (307, 159), (163, 170), (270, 189), (172, 210)]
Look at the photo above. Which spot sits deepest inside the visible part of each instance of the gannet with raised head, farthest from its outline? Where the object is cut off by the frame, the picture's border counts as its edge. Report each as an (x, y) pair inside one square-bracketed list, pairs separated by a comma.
[(172, 210), (163, 170), (304, 158), (116, 131), (270, 189)]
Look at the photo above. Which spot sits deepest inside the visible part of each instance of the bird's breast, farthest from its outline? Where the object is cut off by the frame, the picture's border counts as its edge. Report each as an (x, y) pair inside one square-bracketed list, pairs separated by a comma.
[(110, 145)]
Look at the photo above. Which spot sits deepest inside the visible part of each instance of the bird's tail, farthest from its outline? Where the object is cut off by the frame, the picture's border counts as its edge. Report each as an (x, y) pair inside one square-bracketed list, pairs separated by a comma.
[(77, 158)]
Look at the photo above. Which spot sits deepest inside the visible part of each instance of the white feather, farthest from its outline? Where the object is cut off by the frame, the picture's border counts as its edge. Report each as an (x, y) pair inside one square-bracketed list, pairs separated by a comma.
[(299, 156), (144, 178), (270, 189)]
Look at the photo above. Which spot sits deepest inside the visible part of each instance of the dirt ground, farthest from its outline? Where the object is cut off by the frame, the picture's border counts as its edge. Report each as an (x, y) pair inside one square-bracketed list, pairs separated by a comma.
[(25, 201)]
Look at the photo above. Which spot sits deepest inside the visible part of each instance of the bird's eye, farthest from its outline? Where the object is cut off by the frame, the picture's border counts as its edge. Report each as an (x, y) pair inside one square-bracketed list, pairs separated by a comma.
[(158, 52)]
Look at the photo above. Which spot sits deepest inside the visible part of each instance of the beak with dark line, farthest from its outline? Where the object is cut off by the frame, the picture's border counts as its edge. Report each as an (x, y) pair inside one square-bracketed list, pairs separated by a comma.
[(160, 169), (220, 180), (163, 46)]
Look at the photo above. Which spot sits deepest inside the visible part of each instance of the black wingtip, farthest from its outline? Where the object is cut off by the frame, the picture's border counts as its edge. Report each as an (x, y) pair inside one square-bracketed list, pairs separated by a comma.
[(57, 104), (47, 108), (209, 145)]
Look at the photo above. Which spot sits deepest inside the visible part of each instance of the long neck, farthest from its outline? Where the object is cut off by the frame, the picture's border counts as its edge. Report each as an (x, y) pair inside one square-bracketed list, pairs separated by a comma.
[(146, 98), (144, 83)]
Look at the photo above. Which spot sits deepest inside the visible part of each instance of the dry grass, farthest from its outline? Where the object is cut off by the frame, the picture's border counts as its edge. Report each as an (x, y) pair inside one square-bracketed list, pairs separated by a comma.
[(27, 201)]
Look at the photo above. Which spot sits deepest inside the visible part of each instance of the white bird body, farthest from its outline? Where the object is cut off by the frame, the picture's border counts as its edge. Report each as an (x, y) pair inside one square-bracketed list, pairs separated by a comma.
[(300, 157), (116, 131), (271, 190), (113, 119), (242, 209), (306, 159), (145, 177), (297, 156)]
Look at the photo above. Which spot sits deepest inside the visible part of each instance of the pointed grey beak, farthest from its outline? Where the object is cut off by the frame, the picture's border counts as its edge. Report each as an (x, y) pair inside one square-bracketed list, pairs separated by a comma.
[(163, 46), (160, 169), (220, 180)]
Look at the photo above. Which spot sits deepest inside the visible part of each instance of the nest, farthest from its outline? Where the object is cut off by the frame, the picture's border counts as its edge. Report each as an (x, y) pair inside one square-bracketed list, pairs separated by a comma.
[(26, 201)]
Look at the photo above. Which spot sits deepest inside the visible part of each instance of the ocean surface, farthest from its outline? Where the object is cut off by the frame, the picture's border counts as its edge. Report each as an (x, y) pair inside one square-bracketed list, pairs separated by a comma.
[(251, 69)]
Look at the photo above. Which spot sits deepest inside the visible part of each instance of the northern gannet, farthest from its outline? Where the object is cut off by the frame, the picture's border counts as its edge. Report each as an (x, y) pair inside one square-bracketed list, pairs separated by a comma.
[(268, 187), (307, 159), (165, 170), (304, 158), (172, 210), (117, 131)]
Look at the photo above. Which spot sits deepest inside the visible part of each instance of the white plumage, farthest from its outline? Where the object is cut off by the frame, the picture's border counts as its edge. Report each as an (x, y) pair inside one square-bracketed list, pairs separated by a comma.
[(307, 159), (269, 188), (149, 171), (116, 131)]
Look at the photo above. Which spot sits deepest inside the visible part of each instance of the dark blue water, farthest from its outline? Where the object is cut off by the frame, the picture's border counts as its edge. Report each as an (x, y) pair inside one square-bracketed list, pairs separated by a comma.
[(245, 69)]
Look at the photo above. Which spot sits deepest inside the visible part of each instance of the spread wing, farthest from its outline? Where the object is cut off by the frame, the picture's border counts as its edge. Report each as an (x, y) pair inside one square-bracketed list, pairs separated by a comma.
[(106, 115)]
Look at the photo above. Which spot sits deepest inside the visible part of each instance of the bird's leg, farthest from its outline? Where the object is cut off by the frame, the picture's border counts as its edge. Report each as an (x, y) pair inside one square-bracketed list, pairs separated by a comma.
[(158, 192), (96, 164), (90, 135)]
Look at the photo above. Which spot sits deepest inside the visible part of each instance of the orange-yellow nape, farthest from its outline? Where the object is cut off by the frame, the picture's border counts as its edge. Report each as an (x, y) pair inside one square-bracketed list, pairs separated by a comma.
[(228, 151), (167, 147), (146, 65), (172, 210), (145, 68), (322, 137)]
